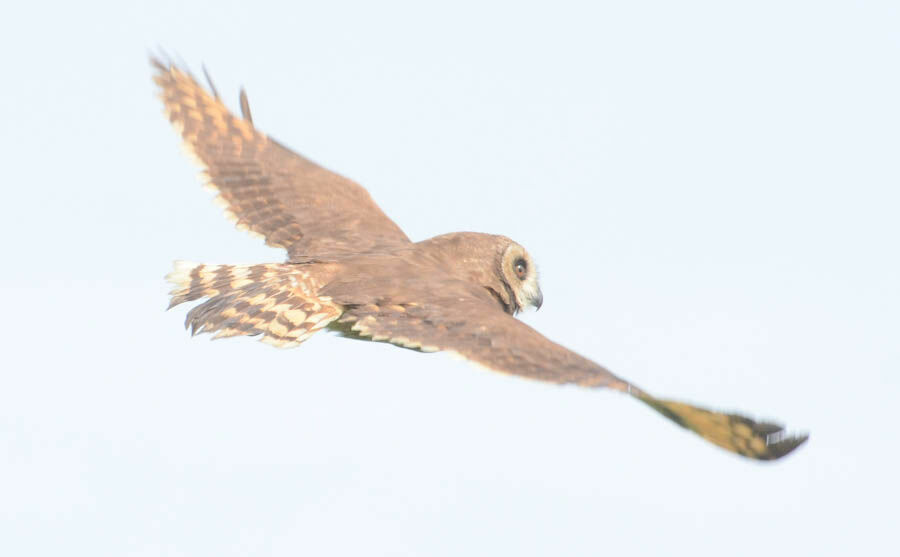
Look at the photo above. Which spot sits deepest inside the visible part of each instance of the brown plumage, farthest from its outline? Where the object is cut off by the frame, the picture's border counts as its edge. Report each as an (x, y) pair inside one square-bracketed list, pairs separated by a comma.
[(351, 269)]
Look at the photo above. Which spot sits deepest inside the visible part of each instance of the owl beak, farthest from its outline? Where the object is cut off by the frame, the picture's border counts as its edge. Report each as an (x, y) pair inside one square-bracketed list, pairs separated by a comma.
[(538, 300)]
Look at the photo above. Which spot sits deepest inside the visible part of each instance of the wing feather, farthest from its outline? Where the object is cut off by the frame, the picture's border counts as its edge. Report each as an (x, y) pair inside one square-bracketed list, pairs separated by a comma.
[(268, 189), (498, 341)]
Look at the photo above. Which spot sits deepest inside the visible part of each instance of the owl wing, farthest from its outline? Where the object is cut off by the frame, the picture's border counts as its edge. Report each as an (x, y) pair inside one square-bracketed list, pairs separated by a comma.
[(482, 334), (266, 188)]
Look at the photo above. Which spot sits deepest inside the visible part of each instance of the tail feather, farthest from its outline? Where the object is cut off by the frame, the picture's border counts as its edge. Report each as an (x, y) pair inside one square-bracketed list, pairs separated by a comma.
[(274, 301)]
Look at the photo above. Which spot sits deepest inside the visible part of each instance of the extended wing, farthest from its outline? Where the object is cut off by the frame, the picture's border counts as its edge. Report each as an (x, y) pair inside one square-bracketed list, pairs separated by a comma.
[(502, 343), (266, 188)]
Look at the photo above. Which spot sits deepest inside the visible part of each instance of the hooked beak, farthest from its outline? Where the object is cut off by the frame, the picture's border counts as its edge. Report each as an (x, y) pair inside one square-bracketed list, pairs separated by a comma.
[(538, 300)]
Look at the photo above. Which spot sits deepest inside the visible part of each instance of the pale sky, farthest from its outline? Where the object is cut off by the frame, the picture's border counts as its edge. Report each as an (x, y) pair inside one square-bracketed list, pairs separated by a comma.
[(711, 194)]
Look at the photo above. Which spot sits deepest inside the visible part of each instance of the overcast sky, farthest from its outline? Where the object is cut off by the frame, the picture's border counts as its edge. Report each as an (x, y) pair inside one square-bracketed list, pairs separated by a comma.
[(711, 194)]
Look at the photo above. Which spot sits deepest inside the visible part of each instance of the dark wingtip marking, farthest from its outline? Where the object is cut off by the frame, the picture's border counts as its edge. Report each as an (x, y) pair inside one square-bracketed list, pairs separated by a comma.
[(160, 59), (733, 432), (212, 86), (245, 107), (785, 444)]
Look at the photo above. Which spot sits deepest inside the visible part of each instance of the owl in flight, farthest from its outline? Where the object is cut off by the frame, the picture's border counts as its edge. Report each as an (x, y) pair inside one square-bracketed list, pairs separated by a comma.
[(350, 269)]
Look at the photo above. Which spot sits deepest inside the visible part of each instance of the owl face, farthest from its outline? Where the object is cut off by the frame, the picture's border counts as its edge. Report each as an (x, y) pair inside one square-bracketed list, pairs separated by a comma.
[(520, 274)]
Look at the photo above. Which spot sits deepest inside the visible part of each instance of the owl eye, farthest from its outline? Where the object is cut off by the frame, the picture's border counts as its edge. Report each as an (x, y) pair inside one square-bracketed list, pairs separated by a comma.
[(521, 268)]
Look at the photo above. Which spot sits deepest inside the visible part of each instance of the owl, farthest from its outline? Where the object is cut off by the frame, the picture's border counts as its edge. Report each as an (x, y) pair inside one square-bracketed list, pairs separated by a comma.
[(351, 270)]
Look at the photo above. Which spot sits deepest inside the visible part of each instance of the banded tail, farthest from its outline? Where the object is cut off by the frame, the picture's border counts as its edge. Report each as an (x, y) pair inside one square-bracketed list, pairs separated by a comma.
[(276, 301)]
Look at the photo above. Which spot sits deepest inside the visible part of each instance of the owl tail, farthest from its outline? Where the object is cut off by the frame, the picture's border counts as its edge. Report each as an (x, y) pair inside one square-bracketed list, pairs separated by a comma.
[(732, 432), (276, 301)]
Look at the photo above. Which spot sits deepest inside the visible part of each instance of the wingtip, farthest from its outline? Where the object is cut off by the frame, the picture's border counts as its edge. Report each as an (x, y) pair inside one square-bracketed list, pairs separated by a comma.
[(736, 433), (212, 86), (161, 60), (781, 444), (245, 107)]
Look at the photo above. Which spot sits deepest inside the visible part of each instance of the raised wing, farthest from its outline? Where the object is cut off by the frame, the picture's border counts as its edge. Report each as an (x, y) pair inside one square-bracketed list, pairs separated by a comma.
[(266, 188), (500, 342)]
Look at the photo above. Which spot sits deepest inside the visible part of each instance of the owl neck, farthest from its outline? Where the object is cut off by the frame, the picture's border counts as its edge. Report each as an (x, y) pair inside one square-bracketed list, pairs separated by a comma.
[(475, 258)]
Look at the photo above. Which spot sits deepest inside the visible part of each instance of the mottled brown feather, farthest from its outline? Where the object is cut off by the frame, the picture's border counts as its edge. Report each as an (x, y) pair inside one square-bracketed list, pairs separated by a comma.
[(266, 188), (277, 301), (478, 332)]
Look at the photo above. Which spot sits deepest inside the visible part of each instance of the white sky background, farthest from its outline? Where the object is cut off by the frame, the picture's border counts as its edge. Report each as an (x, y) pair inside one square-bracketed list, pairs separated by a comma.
[(711, 194)]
